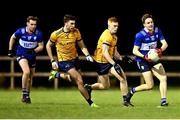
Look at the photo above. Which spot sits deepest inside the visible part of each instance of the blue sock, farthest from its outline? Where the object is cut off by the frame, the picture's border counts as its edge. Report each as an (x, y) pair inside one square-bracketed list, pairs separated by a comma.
[(133, 90), (163, 100), (57, 75)]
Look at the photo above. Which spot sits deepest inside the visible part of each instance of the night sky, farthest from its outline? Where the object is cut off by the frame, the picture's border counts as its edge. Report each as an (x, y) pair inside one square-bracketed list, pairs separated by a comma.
[(91, 20)]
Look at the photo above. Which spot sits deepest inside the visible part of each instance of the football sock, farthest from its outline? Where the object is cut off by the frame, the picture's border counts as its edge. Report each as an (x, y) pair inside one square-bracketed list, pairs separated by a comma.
[(57, 75), (24, 92), (163, 100), (28, 94), (124, 98), (132, 91), (89, 101)]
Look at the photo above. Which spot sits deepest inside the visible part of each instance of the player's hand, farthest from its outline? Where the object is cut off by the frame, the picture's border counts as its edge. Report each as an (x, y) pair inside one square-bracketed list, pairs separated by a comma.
[(89, 58), (159, 51), (146, 58), (117, 67), (10, 53), (127, 59), (54, 64)]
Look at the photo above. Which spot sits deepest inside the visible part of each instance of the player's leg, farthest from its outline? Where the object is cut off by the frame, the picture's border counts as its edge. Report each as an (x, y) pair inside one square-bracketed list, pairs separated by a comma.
[(103, 78), (123, 85), (159, 72), (145, 69), (56, 74), (25, 77), (75, 75), (103, 82), (148, 85)]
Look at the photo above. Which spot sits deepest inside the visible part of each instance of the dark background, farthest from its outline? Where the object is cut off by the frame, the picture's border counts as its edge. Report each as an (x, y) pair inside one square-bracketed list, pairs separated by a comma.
[(92, 18)]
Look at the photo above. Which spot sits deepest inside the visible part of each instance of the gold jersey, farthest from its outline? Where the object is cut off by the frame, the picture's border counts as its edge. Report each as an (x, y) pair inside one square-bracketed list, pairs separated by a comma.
[(65, 43), (105, 38)]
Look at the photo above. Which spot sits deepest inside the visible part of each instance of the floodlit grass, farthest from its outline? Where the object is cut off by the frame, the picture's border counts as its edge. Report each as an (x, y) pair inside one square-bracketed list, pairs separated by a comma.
[(69, 104)]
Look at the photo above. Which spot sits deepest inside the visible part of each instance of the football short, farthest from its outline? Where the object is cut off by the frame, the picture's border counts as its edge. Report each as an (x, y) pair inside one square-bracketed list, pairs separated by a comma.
[(103, 68), (65, 66), (144, 66)]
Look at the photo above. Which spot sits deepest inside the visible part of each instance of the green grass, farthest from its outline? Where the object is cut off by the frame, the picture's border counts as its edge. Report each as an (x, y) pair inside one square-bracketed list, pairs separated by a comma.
[(69, 104)]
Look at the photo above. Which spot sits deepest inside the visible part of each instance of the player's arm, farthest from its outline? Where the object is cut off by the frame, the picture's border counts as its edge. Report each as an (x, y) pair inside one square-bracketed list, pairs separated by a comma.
[(83, 47), (164, 45), (117, 56), (105, 52), (49, 49), (40, 47), (85, 50), (137, 52), (11, 42), (50, 54)]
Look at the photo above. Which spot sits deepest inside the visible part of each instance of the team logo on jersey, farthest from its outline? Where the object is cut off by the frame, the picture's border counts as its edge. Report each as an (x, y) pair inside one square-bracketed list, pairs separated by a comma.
[(152, 38), (35, 37), (29, 37), (157, 36)]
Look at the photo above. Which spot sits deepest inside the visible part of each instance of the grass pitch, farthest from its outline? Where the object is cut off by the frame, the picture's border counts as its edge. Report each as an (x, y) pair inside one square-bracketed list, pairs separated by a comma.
[(69, 104)]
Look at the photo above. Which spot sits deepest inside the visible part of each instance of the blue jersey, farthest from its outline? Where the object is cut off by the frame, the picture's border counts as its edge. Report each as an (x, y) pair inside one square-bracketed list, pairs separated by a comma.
[(27, 41), (146, 41)]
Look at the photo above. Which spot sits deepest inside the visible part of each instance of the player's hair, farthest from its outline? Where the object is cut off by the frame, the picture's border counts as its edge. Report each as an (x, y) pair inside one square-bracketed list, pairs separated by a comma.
[(112, 19), (69, 17), (34, 18), (145, 16)]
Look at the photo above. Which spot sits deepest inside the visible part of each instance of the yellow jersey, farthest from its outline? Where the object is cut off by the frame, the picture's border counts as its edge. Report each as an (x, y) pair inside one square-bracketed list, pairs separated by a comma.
[(105, 38), (65, 43)]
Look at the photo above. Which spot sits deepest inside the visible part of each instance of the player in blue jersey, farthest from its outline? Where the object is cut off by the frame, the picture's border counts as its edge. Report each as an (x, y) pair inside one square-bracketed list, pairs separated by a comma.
[(150, 37), (29, 44)]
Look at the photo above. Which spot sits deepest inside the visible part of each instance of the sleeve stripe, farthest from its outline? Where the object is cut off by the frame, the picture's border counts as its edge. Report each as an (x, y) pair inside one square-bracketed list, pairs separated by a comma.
[(79, 40), (51, 41), (107, 44)]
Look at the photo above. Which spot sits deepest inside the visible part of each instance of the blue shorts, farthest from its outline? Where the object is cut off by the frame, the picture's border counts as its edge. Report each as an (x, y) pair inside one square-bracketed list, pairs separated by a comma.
[(144, 66), (65, 66), (103, 68), (31, 59)]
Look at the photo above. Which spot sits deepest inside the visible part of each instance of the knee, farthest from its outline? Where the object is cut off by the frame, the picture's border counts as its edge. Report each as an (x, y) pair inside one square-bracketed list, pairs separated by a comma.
[(26, 73), (150, 86), (105, 87), (123, 80), (163, 79)]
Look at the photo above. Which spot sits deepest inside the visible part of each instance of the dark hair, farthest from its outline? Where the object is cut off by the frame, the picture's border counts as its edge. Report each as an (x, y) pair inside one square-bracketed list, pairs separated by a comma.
[(145, 16), (32, 18), (69, 17)]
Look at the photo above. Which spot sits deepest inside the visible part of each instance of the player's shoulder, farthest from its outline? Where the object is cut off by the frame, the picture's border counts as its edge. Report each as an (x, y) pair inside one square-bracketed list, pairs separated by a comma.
[(106, 33), (57, 32), (38, 32), (21, 30), (141, 33)]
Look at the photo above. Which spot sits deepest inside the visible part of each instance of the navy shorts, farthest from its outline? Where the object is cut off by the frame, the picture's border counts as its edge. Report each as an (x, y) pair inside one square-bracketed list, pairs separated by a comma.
[(144, 66), (65, 66), (31, 59), (103, 68)]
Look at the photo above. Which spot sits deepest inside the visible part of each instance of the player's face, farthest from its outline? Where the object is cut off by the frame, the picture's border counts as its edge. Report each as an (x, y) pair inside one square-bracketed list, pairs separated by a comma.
[(70, 25), (113, 27), (31, 25), (149, 24)]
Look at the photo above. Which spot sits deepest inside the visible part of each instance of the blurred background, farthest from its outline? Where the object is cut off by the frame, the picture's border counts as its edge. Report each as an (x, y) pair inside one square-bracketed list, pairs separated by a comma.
[(91, 21)]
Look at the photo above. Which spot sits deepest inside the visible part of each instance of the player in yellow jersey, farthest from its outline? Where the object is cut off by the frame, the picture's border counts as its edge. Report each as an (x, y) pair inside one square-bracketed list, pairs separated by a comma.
[(104, 55), (65, 40)]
